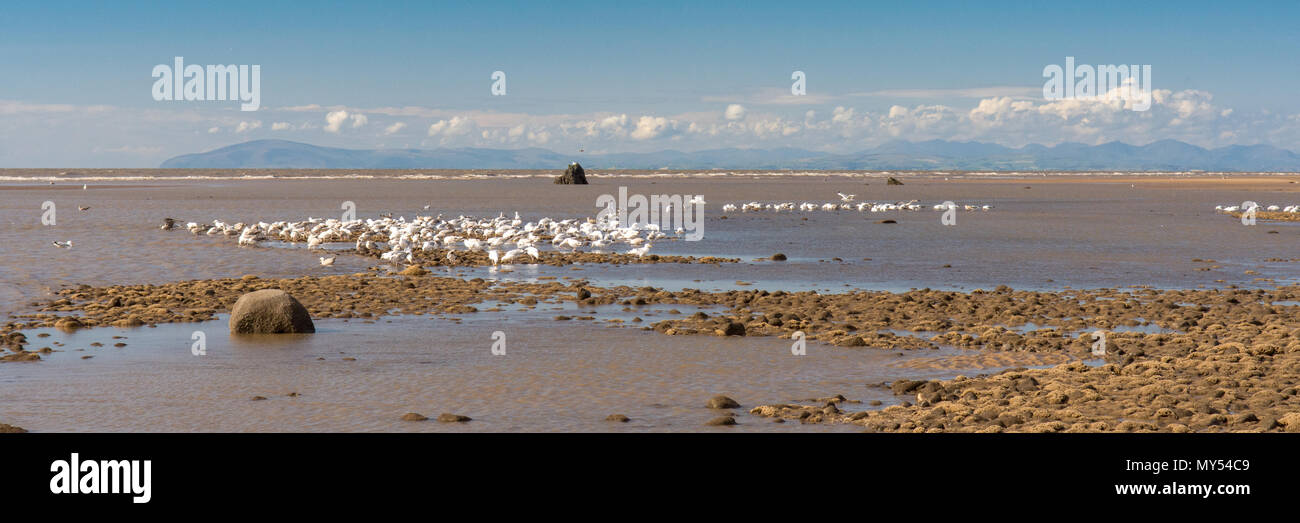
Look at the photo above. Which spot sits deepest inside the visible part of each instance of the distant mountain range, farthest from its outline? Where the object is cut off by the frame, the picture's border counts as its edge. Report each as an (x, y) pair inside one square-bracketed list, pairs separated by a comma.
[(1164, 155)]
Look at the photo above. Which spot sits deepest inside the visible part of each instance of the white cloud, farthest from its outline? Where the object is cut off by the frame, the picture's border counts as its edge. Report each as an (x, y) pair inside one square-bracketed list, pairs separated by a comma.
[(281, 126), (839, 115), (248, 126), (393, 129), (650, 127), (456, 126), (214, 130), (734, 112), (334, 120)]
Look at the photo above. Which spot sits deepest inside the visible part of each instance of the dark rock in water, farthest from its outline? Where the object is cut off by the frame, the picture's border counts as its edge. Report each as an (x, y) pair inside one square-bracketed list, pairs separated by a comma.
[(617, 417), (778, 257), (448, 417), (10, 429), (269, 311), (734, 328), (893, 181), (906, 386), (574, 175), (886, 221), (583, 294), (722, 421), (413, 416), (722, 402)]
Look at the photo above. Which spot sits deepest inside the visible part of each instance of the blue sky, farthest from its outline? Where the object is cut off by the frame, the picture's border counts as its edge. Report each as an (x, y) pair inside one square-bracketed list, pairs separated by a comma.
[(621, 76)]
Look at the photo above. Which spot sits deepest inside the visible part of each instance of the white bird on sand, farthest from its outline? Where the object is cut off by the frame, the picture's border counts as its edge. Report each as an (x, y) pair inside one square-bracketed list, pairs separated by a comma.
[(571, 243), (640, 251), (510, 255), (494, 256), (846, 197), (63, 245), (327, 261), (532, 251), (83, 186)]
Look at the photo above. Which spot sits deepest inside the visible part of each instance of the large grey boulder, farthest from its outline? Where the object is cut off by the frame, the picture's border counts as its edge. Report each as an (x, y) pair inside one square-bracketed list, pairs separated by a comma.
[(574, 175), (269, 311)]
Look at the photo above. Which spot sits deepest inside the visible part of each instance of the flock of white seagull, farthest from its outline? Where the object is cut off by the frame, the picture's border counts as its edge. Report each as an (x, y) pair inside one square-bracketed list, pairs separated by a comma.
[(503, 239), (1270, 208), (846, 203)]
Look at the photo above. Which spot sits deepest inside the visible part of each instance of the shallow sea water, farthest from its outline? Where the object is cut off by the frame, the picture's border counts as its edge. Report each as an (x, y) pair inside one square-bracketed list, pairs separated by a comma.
[(567, 376)]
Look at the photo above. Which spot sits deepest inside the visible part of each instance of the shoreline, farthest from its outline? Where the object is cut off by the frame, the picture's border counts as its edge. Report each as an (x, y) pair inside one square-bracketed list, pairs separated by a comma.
[(12, 178)]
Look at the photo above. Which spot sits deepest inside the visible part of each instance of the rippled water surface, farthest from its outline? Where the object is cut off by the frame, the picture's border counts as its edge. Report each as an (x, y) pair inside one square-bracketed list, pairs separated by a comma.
[(567, 376)]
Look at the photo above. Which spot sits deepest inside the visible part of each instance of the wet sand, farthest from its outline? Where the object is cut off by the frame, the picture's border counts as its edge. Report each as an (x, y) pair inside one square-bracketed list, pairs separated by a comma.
[(1200, 312)]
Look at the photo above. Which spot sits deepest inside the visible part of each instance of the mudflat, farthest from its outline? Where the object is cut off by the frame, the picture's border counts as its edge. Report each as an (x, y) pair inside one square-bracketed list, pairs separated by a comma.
[(984, 325)]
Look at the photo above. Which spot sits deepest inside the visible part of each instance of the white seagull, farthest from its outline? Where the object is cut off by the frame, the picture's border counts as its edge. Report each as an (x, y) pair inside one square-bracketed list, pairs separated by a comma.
[(327, 261)]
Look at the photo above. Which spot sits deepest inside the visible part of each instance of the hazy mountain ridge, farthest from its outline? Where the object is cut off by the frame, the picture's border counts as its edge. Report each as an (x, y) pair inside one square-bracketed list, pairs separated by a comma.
[(1163, 155)]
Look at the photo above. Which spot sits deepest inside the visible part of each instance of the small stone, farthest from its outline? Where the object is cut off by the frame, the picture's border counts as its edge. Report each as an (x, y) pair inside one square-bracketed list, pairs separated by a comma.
[(448, 417), (734, 328), (412, 416), (778, 257), (721, 421), (722, 402), (617, 417)]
